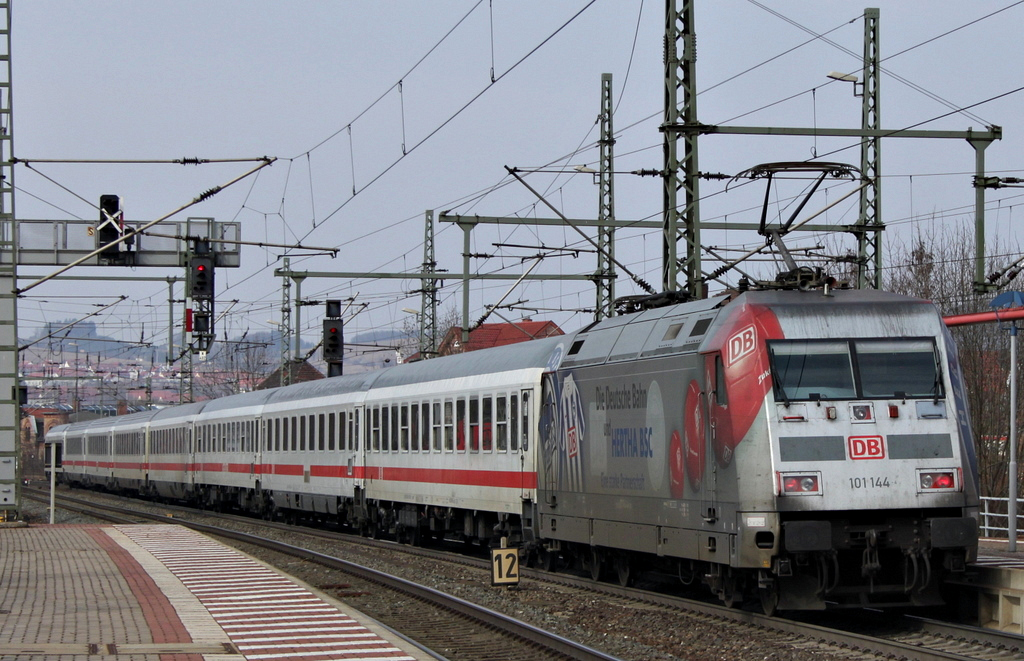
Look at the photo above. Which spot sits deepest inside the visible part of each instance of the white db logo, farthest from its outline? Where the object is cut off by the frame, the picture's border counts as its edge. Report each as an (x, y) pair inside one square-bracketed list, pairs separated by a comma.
[(742, 343)]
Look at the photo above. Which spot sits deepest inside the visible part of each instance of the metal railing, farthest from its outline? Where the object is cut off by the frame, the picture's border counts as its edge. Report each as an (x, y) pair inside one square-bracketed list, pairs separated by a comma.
[(993, 511)]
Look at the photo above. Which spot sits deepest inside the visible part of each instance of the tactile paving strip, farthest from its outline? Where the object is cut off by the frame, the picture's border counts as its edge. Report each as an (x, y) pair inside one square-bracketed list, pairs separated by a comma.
[(267, 616)]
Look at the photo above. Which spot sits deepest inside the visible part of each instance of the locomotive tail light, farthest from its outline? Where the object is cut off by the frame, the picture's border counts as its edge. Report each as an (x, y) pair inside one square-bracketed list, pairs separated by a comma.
[(830, 413), (800, 484), (929, 481), (894, 411)]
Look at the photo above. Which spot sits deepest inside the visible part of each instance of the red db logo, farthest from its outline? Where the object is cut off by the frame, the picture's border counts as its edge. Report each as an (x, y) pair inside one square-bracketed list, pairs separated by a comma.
[(866, 447)]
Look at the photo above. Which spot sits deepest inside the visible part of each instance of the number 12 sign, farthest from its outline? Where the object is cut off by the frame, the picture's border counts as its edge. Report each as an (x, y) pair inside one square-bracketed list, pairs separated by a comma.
[(504, 566)]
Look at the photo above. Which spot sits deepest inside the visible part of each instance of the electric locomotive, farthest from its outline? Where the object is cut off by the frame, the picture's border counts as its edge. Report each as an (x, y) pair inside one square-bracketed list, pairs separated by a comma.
[(810, 447)]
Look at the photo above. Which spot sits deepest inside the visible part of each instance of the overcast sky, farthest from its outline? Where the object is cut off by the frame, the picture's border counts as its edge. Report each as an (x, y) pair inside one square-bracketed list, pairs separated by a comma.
[(483, 85)]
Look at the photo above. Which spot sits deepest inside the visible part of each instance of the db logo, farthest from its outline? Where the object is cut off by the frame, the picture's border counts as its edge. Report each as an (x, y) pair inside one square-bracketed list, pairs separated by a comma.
[(867, 447), (572, 440), (742, 343)]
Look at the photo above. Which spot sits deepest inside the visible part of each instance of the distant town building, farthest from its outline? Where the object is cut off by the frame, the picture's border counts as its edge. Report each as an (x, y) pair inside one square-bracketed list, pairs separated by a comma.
[(486, 336), (300, 373)]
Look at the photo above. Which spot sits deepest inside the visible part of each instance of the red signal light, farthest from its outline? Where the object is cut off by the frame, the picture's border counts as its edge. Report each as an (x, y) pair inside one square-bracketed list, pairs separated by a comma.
[(201, 267)]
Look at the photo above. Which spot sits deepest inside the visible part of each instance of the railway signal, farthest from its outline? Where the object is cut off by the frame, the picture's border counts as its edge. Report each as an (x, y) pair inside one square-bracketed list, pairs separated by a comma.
[(201, 274), (111, 225), (202, 323), (332, 340)]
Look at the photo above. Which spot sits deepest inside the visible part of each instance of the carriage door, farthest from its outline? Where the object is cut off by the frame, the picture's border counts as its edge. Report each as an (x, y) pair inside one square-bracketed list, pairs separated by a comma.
[(718, 432), (357, 442), (253, 437), (547, 444), (192, 439)]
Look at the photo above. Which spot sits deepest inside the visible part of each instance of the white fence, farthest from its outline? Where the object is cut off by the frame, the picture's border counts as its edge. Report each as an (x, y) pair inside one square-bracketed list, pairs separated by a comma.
[(994, 519)]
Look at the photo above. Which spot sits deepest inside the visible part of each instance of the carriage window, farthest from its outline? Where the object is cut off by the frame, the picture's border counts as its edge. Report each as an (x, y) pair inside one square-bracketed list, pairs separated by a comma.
[(701, 326), (330, 432), (672, 332), (474, 424), (321, 432), (501, 422), (403, 430), (461, 422), (414, 427), (277, 434), (436, 425), (375, 429), (354, 431), (487, 424), (425, 426), (295, 434), (889, 368), (394, 428), (449, 426), (721, 396)]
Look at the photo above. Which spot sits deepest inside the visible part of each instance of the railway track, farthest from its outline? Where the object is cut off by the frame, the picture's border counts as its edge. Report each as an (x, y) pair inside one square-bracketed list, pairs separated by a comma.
[(891, 636)]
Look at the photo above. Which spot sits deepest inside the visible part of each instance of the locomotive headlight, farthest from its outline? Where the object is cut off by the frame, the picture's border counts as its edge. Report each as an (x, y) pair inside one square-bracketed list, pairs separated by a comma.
[(800, 484), (937, 480), (861, 413)]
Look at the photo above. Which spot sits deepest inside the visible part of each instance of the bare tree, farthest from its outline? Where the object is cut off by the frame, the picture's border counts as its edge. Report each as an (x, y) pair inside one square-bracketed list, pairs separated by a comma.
[(233, 368), (939, 267)]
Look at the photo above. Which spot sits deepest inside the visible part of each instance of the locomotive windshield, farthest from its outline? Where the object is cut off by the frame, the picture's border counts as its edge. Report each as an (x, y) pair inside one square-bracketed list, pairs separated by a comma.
[(854, 369)]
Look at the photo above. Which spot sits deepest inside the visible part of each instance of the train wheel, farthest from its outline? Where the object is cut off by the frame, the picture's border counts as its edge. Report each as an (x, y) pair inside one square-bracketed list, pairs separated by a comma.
[(624, 571), (769, 598), (546, 559), (732, 595), (596, 564)]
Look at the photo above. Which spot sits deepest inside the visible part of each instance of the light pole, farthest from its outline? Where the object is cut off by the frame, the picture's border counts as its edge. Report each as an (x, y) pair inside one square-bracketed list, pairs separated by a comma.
[(1005, 300)]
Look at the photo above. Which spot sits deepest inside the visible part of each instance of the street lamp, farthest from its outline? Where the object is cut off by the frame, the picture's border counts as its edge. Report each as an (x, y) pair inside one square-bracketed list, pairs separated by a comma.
[(848, 78)]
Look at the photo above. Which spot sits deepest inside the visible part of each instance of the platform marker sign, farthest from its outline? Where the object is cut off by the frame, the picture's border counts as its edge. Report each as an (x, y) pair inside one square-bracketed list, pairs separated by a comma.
[(504, 565)]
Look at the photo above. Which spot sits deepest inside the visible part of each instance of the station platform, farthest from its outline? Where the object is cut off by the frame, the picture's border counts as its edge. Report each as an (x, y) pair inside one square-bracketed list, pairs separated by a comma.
[(996, 580), (166, 593)]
